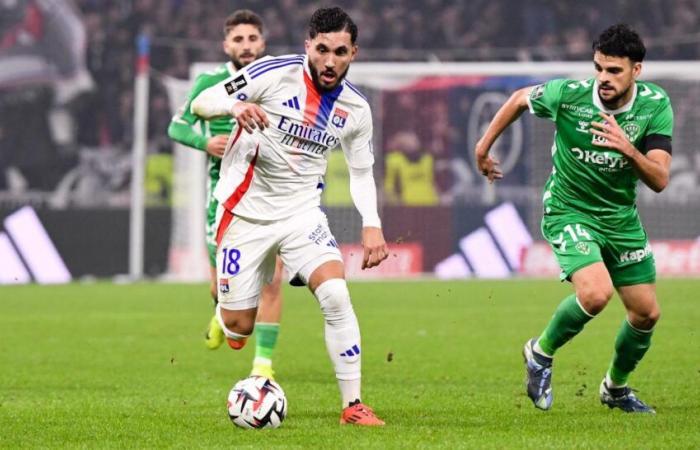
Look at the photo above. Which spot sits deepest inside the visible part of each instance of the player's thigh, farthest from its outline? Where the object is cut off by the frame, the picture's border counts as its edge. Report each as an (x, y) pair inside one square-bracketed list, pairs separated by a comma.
[(308, 244), (245, 262), (575, 243), (628, 255)]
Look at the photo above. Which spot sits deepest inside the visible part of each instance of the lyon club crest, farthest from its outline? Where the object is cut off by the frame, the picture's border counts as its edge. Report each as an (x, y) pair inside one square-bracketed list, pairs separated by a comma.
[(339, 118)]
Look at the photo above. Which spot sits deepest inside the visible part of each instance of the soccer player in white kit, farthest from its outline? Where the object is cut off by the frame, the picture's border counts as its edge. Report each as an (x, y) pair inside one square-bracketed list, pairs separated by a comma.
[(292, 111)]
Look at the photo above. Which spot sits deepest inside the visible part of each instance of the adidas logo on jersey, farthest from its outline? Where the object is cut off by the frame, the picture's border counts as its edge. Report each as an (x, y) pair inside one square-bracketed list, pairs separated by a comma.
[(292, 103)]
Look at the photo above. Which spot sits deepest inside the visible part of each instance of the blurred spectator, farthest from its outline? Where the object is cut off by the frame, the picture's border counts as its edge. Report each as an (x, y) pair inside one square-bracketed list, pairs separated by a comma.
[(410, 176), (43, 72), (185, 31)]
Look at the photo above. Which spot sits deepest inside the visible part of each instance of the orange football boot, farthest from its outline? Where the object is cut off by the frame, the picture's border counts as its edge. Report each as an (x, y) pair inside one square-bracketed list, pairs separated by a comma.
[(360, 414), (236, 344)]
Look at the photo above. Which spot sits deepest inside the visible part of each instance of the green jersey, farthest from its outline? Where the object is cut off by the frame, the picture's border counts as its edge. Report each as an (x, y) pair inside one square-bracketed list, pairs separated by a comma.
[(193, 131), (184, 120), (595, 180)]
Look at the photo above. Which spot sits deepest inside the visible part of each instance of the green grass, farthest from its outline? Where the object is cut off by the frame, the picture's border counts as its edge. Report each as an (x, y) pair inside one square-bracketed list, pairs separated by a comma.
[(102, 365)]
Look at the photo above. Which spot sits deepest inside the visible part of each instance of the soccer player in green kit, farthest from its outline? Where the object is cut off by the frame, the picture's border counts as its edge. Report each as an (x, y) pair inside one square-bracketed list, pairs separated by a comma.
[(243, 43), (611, 131)]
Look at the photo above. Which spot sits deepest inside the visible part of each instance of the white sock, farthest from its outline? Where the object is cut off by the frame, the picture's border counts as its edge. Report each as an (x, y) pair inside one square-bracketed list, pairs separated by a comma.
[(260, 361), (610, 384), (539, 350), (349, 390), (342, 334)]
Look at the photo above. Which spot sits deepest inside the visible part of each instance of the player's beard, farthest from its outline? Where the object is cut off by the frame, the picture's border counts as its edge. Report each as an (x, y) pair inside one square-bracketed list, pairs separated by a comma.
[(612, 103), (238, 64), (317, 82)]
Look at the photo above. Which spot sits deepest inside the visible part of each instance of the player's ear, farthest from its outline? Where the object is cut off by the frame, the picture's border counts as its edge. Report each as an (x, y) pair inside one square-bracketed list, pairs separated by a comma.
[(307, 45), (636, 69), (353, 51)]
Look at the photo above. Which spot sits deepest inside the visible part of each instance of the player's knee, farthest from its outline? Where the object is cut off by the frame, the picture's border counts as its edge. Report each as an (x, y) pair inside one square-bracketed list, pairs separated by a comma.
[(594, 298), (334, 298), (646, 318), (236, 323)]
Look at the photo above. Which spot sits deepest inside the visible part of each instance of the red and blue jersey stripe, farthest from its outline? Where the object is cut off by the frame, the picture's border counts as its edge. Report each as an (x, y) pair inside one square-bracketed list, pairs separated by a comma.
[(319, 105)]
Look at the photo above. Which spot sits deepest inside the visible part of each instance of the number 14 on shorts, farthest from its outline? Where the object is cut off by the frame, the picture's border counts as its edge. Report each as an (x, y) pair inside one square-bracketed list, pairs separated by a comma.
[(229, 263), (574, 231)]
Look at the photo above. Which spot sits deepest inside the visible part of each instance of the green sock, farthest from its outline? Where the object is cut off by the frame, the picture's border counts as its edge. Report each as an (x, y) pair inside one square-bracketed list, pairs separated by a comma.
[(266, 339), (630, 346), (567, 322)]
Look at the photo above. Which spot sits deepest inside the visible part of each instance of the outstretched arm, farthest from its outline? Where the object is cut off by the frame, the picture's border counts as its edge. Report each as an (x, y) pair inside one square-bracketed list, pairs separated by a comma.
[(507, 114)]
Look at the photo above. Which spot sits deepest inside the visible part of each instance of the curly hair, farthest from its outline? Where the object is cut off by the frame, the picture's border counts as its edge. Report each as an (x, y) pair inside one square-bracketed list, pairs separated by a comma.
[(620, 40), (328, 20)]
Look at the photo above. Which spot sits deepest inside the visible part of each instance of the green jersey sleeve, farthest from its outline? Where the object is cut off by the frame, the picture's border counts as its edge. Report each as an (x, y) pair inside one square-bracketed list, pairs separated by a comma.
[(544, 99), (662, 122), (180, 129)]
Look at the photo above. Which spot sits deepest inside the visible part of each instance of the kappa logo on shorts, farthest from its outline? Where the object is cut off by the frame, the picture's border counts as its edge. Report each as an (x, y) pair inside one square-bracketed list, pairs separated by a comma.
[(236, 84), (635, 255), (583, 248), (223, 285)]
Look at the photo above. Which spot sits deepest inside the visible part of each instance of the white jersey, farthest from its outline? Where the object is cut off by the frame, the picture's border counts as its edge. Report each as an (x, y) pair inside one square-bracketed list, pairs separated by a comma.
[(277, 173)]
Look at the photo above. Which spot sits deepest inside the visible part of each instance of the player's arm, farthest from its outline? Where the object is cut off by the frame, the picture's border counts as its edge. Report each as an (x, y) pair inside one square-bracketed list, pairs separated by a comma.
[(181, 129), (363, 190), (653, 167), (236, 96), (507, 114), (364, 195)]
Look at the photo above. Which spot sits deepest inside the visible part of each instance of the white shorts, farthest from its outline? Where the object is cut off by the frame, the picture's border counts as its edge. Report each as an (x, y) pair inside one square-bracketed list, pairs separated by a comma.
[(245, 256)]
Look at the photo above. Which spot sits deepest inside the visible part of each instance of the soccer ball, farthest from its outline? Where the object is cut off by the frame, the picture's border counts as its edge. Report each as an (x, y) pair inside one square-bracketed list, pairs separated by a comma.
[(257, 402)]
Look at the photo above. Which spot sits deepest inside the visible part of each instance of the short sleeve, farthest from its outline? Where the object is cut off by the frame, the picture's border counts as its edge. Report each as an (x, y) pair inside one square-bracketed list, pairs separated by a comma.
[(662, 121), (544, 99)]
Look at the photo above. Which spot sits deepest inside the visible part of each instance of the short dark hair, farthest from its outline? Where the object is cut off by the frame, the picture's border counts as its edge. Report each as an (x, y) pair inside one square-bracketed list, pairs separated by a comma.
[(620, 40), (243, 16), (328, 20)]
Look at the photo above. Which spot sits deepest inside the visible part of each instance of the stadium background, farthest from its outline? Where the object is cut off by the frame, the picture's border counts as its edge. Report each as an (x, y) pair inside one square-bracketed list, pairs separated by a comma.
[(67, 101)]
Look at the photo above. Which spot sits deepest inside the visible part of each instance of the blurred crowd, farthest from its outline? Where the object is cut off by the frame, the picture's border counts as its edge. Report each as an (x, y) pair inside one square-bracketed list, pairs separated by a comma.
[(184, 31)]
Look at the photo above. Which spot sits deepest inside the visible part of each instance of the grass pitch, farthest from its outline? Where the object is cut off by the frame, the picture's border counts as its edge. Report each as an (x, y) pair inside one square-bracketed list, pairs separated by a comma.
[(95, 366)]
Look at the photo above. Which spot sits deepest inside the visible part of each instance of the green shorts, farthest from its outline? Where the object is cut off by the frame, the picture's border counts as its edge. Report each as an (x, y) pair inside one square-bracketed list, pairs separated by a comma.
[(212, 204), (578, 241)]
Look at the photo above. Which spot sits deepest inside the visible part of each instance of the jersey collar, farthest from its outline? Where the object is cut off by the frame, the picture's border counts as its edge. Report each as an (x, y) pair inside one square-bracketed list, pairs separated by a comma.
[(307, 73), (624, 108)]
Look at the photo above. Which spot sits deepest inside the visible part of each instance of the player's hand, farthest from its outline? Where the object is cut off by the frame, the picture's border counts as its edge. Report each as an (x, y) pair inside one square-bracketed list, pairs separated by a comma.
[(488, 166), (216, 145), (613, 135), (250, 116), (375, 247)]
